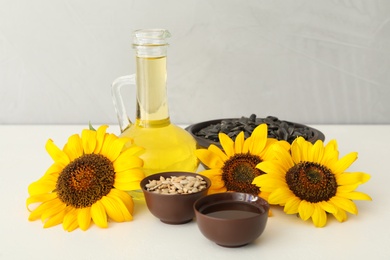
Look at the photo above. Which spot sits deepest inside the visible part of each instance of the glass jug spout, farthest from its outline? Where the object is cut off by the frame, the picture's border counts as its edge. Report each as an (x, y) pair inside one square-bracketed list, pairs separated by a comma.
[(150, 37)]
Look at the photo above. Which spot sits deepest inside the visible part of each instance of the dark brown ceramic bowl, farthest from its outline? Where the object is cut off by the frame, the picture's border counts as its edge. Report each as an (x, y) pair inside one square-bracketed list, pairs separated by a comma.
[(205, 142), (231, 219), (172, 208)]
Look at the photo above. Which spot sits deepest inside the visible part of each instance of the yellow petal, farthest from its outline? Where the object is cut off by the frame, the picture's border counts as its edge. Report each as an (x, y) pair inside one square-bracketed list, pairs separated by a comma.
[(274, 168), (343, 164), (126, 213), (114, 148), (40, 198), (270, 184), (112, 209), (74, 147), (296, 152), (45, 185), (239, 142), (49, 212), (70, 219), (270, 152), (305, 148), (246, 148), (100, 134), (308, 148), (215, 176), (331, 153), (266, 184), (56, 154), (54, 169), (292, 205), (331, 146), (84, 218), (218, 152), (72, 226), (227, 144), (55, 219), (117, 147), (328, 207), (305, 209), (344, 204), (37, 213), (347, 188), (264, 195), (99, 215), (218, 185), (283, 145), (319, 216), (129, 175), (133, 151), (209, 158), (123, 196), (352, 178), (279, 196), (88, 139), (125, 162), (354, 195), (318, 151), (260, 180), (216, 190), (258, 139), (340, 215), (284, 157), (108, 139), (212, 174)]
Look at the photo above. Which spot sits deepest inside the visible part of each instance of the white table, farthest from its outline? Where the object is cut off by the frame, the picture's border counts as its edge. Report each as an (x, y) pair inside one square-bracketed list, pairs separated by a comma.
[(23, 159)]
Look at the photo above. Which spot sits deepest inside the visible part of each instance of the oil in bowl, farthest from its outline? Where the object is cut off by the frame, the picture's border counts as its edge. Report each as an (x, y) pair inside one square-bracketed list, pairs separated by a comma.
[(233, 210), (231, 219)]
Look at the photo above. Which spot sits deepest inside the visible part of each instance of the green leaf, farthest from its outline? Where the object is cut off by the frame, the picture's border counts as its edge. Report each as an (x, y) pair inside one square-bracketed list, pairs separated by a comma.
[(91, 127)]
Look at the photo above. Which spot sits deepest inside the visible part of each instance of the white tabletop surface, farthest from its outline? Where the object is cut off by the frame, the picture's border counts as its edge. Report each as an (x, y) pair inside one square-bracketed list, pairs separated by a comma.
[(23, 159)]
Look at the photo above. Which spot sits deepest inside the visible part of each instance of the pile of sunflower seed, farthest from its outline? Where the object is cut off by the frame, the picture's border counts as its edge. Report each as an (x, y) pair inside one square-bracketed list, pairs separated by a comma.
[(177, 185), (278, 129)]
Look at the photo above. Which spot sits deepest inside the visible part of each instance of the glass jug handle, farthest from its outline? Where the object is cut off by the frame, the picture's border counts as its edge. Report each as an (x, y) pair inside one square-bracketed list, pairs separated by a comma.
[(124, 120)]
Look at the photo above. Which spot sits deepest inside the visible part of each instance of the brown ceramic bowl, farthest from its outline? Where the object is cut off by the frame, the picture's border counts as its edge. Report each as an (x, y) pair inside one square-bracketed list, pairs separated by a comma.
[(231, 219), (172, 208), (203, 142)]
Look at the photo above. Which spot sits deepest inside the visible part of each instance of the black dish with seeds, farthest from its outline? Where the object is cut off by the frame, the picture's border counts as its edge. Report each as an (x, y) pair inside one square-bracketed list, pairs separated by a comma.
[(206, 133)]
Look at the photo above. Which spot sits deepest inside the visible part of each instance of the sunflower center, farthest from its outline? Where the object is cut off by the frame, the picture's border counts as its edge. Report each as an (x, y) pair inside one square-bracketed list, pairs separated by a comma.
[(85, 180), (239, 171), (312, 182)]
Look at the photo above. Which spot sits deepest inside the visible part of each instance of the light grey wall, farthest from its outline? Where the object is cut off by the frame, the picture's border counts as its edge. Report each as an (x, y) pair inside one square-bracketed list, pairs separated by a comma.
[(307, 61)]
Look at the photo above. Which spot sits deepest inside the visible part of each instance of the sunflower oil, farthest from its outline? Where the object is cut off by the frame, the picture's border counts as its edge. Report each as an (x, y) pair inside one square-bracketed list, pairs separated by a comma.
[(167, 146)]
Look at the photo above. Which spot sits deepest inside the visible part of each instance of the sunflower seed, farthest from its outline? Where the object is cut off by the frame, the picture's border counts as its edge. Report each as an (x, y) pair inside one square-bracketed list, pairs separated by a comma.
[(281, 130), (177, 185)]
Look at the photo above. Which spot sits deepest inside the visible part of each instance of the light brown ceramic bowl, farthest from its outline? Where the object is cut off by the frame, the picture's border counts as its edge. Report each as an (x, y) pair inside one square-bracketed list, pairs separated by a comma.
[(174, 208), (231, 219)]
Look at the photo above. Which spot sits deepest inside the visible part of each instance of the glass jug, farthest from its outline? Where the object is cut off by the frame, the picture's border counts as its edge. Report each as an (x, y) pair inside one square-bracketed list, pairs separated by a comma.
[(167, 146)]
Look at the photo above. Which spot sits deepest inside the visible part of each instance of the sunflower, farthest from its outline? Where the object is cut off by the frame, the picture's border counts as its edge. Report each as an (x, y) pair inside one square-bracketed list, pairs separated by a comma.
[(234, 167), (310, 180), (87, 181)]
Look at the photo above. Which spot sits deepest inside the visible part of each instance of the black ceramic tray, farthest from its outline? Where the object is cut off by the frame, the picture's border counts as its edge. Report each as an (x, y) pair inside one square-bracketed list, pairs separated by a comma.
[(309, 133)]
